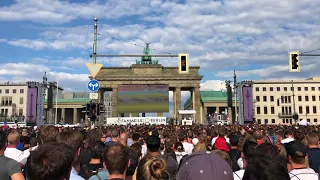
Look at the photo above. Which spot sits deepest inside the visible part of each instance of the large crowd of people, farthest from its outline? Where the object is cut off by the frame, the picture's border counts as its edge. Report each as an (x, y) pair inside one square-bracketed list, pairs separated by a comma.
[(151, 152)]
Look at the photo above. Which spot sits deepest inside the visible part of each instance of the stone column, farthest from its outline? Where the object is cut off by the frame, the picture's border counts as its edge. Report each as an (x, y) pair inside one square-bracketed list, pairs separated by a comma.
[(218, 109), (159, 114), (177, 103), (75, 115), (205, 111), (63, 115), (115, 102), (229, 113), (197, 104)]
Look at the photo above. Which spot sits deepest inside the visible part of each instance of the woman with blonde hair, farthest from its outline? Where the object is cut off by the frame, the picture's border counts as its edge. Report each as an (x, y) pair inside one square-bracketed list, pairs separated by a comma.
[(152, 168)]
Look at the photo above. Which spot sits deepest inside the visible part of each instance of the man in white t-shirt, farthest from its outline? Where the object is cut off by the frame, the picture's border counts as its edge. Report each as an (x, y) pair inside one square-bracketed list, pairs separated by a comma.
[(288, 137), (11, 151), (297, 152), (186, 145)]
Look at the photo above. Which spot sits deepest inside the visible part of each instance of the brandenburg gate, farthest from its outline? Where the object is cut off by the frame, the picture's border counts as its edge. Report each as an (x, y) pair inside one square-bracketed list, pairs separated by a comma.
[(149, 72), (111, 78)]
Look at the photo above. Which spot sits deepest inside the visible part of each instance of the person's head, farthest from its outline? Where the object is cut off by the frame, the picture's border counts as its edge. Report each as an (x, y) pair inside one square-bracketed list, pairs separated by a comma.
[(200, 147), (249, 148), (152, 168), (288, 134), (168, 143), (116, 159), (115, 133), (50, 161), (222, 132), (96, 150), (123, 139), (74, 139), (269, 150), (296, 152), (299, 136), (313, 140), (48, 134), (13, 138), (224, 156), (153, 143), (234, 140), (135, 137), (265, 168), (3, 141), (181, 137), (257, 135), (179, 147), (33, 141)]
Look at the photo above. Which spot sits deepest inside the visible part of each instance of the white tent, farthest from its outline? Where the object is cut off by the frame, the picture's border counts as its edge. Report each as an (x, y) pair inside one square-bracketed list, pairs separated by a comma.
[(303, 122), (190, 112)]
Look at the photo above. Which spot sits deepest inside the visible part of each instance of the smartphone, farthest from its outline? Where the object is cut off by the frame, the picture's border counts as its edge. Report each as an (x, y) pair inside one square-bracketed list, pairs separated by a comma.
[(92, 172)]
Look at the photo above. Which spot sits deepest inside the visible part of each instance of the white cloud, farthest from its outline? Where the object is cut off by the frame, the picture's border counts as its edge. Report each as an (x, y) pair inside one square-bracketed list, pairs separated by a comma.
[(212, 85), (272, 72), (22, 72), (59, 12), (218, 35)]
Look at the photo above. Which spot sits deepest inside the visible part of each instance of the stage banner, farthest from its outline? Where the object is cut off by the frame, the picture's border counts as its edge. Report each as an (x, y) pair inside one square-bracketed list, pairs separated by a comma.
[(32, 97), (137, 120), (247, 103)]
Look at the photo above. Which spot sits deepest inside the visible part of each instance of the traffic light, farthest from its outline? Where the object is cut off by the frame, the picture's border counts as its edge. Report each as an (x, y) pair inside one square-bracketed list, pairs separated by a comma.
[(93, 111), (183, 63), (100, 109), (294, 62)]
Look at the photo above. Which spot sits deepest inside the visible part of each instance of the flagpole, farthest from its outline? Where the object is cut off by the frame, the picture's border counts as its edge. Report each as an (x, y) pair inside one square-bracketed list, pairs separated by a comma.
[(57, 92)]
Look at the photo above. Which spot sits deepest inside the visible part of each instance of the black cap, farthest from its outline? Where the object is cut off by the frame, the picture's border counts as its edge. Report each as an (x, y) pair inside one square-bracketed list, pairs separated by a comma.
[(296, 149)]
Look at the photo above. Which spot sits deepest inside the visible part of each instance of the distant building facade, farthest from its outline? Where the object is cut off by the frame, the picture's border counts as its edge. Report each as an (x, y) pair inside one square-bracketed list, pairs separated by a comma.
[(13, 100), (108, 106), (275, 102)]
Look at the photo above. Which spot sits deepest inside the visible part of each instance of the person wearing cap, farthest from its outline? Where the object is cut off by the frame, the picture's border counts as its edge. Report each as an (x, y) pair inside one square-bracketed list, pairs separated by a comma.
[(204, 166), (297, 152), (221, 143)]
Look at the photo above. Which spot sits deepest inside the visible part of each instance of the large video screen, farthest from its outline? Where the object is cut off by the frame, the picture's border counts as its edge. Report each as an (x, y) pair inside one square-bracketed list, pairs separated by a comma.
[(143, 98)]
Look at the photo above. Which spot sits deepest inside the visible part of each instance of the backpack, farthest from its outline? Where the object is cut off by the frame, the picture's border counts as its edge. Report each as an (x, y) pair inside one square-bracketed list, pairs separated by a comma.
[(273, 139)]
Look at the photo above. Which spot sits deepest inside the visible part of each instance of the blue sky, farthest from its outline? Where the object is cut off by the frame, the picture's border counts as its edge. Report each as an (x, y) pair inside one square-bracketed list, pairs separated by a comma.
[(253, 37)]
